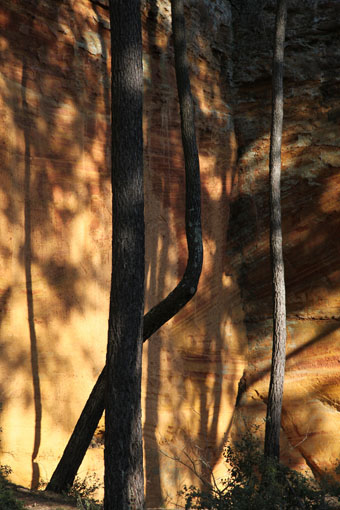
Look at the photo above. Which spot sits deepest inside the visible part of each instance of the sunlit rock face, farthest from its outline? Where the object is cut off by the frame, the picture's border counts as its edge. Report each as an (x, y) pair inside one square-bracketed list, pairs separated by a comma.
[(192, 366), (311, 221), (56, 237), (55, 225)]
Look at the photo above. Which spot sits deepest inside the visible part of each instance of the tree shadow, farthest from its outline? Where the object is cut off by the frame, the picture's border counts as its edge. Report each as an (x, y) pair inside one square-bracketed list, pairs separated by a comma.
[(156, 256), (56, 213), (29, 292)]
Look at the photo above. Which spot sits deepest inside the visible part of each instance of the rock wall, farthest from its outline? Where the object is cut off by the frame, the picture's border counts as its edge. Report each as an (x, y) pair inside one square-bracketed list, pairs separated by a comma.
[(55, 225), (55, 237), (193, 364), (311, 220), (56, 233)]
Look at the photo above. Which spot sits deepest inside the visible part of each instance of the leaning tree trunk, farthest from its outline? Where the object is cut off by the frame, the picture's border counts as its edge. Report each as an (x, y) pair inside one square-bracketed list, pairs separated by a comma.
[(82, 434), (274, 406)]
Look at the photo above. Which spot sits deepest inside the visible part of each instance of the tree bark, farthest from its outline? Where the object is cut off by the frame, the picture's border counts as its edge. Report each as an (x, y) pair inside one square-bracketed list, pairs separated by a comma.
[(274, 406), (123, 454), (66, 470)]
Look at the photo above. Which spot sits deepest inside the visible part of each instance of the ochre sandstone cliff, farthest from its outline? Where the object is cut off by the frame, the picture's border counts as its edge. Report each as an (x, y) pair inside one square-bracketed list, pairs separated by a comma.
[(55, 242), (56, 233), (311, 221)]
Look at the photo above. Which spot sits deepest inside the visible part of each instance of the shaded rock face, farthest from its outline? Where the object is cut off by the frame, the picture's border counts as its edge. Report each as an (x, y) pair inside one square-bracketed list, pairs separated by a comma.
[(55, 224), (311, 220)]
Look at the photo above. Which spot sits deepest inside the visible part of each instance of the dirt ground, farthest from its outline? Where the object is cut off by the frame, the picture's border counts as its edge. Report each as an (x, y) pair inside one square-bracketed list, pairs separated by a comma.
[(41, 500)]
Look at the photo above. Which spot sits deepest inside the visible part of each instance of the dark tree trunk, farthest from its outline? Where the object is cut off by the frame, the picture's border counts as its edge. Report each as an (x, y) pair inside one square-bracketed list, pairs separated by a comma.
[(123, 454), (66, 470), (80, 439), (274, 406)]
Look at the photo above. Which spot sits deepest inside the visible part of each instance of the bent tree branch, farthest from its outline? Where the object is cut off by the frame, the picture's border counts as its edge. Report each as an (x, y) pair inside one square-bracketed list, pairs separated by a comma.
[(82, 434)]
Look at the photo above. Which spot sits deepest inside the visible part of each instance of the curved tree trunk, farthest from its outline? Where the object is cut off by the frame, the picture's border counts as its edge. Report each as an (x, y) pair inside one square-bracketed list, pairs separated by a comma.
[(82, 434), (274, 406)]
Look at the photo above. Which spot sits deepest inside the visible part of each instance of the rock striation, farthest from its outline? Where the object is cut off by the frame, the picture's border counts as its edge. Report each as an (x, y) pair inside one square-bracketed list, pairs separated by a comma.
[(310, 210)]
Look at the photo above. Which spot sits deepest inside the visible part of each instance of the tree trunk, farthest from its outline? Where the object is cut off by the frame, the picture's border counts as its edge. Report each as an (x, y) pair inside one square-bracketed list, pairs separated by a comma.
[(274, 406), (66, 470), (123, 454), (80, 439)]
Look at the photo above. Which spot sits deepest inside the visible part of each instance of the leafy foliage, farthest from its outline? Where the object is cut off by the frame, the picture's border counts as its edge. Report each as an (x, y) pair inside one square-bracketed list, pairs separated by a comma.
[(83, 490), (256, 482), (7, 499)]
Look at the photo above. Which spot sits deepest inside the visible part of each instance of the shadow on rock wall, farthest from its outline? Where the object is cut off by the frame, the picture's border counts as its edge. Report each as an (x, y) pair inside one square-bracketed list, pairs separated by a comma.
[(56, 212), (310, 213), (192, 369), (56, 204)]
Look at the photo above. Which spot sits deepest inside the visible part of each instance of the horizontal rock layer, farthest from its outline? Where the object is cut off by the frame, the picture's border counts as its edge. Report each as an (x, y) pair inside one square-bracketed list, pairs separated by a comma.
[(311, 220)]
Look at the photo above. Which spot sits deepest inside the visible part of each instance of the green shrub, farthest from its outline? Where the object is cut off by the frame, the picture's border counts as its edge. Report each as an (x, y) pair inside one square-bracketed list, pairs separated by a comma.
[(82, 491), (7, 499), (254, 482)]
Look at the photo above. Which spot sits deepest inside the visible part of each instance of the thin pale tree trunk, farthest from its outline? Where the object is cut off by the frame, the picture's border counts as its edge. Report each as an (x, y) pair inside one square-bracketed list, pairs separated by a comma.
[(274, 406), (123, 454), (82, 434)]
